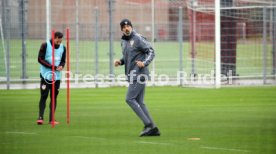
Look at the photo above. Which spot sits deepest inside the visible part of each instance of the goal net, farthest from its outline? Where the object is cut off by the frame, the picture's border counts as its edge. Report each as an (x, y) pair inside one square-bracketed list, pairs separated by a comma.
[(247, 37)]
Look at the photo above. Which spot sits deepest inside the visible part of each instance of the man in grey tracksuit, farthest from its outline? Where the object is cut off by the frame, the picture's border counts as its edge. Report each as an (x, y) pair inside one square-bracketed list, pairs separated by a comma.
[(137, 55)]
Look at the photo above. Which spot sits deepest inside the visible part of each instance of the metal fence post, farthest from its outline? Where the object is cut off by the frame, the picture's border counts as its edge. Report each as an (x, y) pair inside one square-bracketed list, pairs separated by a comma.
[(8, 28), (96, 47), (271, 22), (194, 33), (274, 42), (217, 43), (264, 45), (77, 37), (180, 41), (3, 13), (153, 39), (48, 19), (110, 11), (23, 31)]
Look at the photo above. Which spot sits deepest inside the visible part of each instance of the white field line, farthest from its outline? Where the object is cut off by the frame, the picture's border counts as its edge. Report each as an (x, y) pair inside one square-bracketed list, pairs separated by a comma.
[(22, 133), (224, 149), (155, 143)]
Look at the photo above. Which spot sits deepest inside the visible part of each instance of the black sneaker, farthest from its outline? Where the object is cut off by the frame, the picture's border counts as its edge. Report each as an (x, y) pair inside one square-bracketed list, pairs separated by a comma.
[(145, 131), (149, 131), (154, 132)]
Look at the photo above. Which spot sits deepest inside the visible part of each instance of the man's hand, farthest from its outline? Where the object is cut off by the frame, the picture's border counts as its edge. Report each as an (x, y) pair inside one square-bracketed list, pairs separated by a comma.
[(59, 68), (140, 64), (117, 63)]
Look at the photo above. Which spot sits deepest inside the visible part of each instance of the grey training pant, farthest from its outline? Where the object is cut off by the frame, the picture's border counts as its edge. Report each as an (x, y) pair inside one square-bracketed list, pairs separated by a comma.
[(135, 99)]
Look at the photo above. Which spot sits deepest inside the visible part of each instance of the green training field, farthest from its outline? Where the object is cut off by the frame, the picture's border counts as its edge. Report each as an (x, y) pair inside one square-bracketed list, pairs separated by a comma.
[(192, 121)]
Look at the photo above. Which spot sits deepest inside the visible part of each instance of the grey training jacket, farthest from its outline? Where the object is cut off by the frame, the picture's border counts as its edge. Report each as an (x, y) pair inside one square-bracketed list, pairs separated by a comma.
[(136, 48)]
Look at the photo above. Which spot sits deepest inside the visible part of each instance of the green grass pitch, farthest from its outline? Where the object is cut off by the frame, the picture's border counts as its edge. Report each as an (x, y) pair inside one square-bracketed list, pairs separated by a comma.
[(227, 121)]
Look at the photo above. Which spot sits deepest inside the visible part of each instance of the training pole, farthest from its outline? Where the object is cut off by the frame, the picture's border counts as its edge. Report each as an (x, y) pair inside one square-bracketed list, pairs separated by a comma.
[(68, 73), (53, 79)]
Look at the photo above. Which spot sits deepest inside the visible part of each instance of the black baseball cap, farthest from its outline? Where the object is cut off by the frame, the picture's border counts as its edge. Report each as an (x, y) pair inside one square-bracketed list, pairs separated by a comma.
[(125, 22)]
